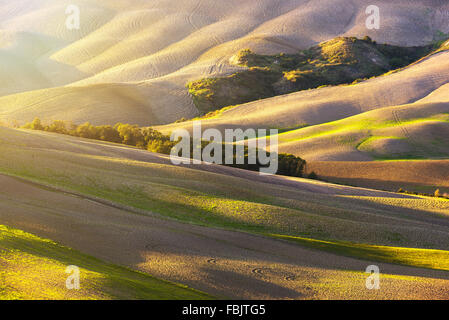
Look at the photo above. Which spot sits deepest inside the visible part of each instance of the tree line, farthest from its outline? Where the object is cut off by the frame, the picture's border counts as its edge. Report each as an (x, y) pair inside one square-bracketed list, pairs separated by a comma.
[(154, 141)]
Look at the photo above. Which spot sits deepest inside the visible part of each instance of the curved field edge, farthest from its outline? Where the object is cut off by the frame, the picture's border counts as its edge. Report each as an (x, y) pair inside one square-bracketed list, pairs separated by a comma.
[(235, 203), (34, 268), (424, 176), (415, 257)]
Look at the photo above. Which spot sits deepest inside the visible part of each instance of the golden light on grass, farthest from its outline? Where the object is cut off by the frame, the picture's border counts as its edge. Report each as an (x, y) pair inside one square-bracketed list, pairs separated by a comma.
[(35, 268)]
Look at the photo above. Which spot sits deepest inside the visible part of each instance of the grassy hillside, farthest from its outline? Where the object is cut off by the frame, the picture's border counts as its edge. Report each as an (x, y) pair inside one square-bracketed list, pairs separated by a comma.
[(421, 82), (142, 180), (225, 263), (153, 140), (34, 268), (125, 202), (415, 131), (338, 61), (423, 258), (109, 203)]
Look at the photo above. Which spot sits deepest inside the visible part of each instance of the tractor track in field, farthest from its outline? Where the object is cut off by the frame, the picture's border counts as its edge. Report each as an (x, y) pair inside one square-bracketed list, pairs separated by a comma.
[(253, 266)]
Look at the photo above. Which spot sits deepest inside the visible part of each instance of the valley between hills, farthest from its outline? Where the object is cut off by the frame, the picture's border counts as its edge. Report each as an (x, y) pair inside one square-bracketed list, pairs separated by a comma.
[(368, 110)]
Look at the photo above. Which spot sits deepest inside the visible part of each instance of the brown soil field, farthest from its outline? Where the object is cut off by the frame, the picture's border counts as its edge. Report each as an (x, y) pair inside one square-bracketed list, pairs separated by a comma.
[(224, 263), (414, 175), (121, 204)]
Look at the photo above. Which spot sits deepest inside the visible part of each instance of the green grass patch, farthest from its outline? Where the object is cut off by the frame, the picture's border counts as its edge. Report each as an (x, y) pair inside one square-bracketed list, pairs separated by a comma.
[(355, 124), (34, 268), (366, 141), (196, 197), (421, 258)]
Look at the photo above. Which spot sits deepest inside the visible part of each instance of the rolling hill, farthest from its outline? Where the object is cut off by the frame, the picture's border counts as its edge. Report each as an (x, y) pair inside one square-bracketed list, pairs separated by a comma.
[(161, 45), (123, 213), (205, 225), (343, 60), (425, 176), (318, 106), (416, 131), (35, 269)]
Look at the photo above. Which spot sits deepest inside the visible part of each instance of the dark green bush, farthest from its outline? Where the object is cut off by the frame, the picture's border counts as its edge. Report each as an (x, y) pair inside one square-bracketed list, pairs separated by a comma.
[(155, 141)]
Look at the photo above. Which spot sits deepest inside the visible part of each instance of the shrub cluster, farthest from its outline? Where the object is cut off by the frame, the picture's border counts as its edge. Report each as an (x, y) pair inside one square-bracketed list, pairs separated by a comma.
[(132, 135), (436, 194), (339, 61), (155, 141)]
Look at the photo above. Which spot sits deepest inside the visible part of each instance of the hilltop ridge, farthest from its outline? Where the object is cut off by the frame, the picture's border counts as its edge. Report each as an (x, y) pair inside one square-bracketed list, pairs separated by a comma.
[(156, 47), (342, 60)]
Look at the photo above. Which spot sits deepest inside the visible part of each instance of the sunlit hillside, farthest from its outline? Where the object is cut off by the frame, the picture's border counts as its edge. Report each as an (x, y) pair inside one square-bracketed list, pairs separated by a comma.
[(34, 268), (125, 203), (363, 130), (158, 46)]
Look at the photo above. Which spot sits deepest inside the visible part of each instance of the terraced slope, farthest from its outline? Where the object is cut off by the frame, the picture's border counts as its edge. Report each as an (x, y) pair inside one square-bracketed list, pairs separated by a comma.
[(116, 201), (161, 45)]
